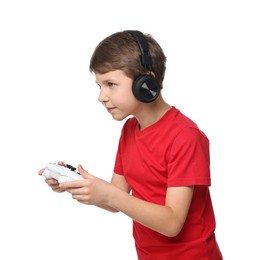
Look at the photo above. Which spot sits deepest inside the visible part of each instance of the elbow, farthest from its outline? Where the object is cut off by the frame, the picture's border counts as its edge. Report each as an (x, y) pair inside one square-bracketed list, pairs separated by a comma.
[(171, 233), (172, 230)]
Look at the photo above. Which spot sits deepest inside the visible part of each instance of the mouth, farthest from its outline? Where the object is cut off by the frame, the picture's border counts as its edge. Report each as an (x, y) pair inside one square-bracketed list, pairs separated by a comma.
[(110, 109)]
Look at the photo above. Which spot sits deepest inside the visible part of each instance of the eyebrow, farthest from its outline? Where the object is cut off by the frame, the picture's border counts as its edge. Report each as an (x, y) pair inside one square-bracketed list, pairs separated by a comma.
[(106, 81)]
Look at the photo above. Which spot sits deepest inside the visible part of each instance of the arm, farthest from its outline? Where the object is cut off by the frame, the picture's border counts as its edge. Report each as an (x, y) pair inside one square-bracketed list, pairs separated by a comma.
[(167, 219), (119, 182)]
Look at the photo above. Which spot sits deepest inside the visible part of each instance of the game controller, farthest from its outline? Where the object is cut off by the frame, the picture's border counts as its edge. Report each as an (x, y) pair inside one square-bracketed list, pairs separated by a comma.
[(61, 173)]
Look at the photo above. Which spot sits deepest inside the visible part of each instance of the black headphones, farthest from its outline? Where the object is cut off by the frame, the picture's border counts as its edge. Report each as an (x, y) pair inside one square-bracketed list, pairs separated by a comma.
[(145, 88)]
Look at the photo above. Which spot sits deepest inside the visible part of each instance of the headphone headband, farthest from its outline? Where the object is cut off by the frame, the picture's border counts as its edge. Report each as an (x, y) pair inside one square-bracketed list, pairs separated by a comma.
[(146, 58)]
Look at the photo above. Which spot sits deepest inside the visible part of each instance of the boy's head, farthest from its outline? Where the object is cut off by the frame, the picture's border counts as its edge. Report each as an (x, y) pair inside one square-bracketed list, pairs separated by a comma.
[(120, 51)]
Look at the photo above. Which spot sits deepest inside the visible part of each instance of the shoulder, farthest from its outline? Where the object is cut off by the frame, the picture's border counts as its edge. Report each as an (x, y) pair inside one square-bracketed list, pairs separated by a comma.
[(178, 123), (182, 120)]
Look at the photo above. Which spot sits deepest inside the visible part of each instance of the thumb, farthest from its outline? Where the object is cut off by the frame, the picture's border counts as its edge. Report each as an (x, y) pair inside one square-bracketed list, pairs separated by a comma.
[(83, 172)]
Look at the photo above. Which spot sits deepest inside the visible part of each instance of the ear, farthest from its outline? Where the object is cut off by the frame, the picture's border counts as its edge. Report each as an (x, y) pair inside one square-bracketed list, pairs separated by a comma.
[(151, 74)]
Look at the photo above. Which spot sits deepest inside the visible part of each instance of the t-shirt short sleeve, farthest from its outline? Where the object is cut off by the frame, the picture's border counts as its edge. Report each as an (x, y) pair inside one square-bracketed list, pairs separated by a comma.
[(189, 159)]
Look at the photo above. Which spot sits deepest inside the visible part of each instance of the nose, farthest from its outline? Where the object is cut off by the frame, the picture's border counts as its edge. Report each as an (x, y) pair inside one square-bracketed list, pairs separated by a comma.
[(103, 97)]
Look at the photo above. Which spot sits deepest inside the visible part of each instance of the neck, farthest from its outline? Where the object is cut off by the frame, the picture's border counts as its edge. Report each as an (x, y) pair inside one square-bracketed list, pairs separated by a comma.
[(150, 113)]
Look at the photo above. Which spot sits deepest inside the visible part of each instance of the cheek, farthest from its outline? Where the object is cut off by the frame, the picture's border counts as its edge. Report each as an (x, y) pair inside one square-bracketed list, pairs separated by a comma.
[(126, 95), (129, 99)]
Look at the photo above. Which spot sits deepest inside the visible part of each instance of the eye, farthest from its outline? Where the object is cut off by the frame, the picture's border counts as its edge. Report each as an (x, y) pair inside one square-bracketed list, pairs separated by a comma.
[(111, 84)]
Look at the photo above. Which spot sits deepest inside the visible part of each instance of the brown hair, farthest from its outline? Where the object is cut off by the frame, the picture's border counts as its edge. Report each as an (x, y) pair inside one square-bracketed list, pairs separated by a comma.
[(120, 51)]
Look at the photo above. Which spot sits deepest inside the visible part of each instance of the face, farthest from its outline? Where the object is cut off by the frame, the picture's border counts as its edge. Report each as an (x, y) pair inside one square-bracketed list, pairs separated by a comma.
[(116, 94)]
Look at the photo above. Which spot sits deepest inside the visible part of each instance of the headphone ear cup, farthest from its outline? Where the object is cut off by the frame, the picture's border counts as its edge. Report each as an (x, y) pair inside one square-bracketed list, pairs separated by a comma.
[(145, 88)]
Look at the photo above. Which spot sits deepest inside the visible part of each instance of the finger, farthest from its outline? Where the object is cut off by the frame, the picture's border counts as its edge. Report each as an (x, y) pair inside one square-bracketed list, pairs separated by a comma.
[(54, 185), (52, 182), (83, 172), (79, 191), (62, 163), (59, 190), (40, 172), (71, 185), (56, 188), (81, 199)]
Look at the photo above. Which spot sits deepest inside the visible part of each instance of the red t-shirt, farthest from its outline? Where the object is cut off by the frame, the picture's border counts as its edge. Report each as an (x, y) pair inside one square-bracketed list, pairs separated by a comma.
[(172, 152)]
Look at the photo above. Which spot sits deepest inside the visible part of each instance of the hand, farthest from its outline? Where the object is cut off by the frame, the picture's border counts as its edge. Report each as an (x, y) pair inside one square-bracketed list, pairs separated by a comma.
[(91, 190), (53, 183)]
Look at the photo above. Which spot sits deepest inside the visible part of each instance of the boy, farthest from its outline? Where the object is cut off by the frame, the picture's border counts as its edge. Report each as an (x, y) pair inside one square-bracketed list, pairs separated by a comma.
[(161, 175)]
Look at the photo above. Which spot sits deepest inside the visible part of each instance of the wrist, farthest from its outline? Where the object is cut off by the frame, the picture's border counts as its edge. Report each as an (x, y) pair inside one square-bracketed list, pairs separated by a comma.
[(113, 196)]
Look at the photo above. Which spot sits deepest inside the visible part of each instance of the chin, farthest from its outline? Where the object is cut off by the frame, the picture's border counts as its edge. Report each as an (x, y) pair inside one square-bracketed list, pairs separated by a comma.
[(119, 117)]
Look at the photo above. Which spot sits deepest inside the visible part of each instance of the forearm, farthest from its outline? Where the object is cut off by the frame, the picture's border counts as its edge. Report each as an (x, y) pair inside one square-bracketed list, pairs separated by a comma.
[(156, 217), (108, 208)]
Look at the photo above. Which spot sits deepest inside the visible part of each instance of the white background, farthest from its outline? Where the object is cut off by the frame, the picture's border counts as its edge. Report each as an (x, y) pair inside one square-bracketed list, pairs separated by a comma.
[(49, 112)]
